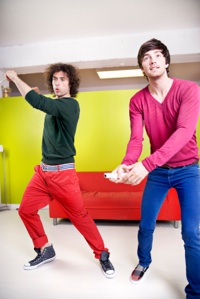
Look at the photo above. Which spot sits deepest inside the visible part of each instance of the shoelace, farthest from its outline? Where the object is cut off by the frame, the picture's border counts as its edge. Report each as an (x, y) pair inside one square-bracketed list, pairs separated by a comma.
[(107, 264), (36, 258)]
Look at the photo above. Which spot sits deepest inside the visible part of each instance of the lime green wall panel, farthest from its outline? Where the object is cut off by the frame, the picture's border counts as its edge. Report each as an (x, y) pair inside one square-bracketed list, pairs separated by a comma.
[(103, 130), (20, 135)]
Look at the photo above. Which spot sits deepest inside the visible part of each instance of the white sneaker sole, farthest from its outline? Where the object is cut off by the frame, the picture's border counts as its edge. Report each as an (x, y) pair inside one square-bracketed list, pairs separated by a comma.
[(108, 275), (29, 267)]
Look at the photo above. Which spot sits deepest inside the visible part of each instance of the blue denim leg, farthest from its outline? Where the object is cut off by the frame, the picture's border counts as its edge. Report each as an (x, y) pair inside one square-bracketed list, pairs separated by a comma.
[(187, 185), (154, 194), (186, 181)]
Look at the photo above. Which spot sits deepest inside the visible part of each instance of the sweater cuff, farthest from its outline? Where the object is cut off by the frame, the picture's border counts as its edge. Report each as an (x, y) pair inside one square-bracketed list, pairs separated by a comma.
[(148, 165)]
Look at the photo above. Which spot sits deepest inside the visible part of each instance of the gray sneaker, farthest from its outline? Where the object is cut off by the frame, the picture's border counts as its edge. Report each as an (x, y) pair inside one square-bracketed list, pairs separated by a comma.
[(137, 276), (107, 267), (46, 256)]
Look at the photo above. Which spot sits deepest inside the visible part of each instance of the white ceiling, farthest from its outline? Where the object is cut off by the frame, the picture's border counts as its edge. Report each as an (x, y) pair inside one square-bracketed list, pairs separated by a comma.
[(28, 21), (96, 34)]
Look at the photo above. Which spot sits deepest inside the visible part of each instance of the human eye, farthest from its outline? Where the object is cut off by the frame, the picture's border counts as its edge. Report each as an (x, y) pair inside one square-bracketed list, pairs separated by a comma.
[(145, 58), (63, 79), (159, 54)]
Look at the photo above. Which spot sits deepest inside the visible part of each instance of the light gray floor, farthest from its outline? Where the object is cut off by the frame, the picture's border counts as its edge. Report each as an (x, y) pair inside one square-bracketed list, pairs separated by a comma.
[(76, 274)]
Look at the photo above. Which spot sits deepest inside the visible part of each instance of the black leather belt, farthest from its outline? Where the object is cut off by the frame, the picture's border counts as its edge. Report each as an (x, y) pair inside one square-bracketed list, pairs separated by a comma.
[(169, 167)]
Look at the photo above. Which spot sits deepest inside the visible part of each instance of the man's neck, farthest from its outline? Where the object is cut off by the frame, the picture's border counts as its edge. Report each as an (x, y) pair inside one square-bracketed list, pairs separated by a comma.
[(67, 95), (159, 87)]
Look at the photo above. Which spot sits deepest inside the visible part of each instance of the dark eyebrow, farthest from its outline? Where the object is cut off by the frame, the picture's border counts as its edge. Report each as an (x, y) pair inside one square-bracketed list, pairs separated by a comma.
[(156, 51), (63, 77)]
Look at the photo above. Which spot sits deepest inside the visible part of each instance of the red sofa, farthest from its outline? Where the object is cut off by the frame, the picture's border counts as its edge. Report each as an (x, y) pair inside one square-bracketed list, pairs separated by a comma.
[(106, 200)]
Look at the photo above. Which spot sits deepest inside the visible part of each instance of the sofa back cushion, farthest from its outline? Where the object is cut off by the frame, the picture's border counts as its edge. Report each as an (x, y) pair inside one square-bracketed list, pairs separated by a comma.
[(95, 181)]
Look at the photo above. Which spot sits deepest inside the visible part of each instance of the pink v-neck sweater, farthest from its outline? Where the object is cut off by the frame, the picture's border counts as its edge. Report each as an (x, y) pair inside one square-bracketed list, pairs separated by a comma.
[(170, 126)]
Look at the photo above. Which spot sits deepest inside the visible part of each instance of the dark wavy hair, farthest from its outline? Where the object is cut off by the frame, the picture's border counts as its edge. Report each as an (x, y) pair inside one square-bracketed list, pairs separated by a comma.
[(72, 74), (153, 44)]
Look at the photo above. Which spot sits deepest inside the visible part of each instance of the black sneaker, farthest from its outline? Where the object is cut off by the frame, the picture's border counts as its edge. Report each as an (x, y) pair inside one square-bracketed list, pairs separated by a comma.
[(107, 267), (46, 256), (137, 275)]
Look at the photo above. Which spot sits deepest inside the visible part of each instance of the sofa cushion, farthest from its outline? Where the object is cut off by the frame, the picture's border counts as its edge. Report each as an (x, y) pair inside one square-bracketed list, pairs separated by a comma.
[(112, 199)]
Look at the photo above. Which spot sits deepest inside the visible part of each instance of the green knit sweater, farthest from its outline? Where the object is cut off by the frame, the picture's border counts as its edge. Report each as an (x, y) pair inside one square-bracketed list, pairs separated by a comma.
[(59, 127)]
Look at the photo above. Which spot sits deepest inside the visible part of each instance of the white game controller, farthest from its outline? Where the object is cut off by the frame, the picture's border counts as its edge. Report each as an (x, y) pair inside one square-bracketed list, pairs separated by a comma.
[(110, 175)]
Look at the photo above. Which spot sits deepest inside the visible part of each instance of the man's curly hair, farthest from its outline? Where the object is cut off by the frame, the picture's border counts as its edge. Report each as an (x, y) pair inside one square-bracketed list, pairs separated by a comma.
[(72, 74)]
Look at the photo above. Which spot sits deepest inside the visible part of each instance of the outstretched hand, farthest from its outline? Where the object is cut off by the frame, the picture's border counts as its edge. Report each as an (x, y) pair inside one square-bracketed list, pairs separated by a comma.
[(36, 89), (21, 85), (11, 75)]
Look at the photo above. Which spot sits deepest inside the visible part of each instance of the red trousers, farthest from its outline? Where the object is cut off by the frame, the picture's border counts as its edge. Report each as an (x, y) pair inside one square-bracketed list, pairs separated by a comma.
[(64, 187)]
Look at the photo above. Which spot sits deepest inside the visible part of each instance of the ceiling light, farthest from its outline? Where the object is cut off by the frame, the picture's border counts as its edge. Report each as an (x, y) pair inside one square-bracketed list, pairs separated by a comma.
[(120, 74)]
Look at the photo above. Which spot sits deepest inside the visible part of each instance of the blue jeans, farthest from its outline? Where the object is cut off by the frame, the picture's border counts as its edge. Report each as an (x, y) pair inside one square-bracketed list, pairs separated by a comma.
[(186, 181)]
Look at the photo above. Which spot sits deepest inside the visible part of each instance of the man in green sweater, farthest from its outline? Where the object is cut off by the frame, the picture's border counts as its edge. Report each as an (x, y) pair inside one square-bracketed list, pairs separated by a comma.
[(56, 176)]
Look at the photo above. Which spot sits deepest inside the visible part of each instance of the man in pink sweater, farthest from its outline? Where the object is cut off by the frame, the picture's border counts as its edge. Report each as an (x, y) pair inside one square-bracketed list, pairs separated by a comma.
[(168, 109)]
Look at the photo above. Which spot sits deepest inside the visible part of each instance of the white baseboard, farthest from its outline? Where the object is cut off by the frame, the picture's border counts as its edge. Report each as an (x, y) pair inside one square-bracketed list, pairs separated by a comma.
[(9, 206)]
